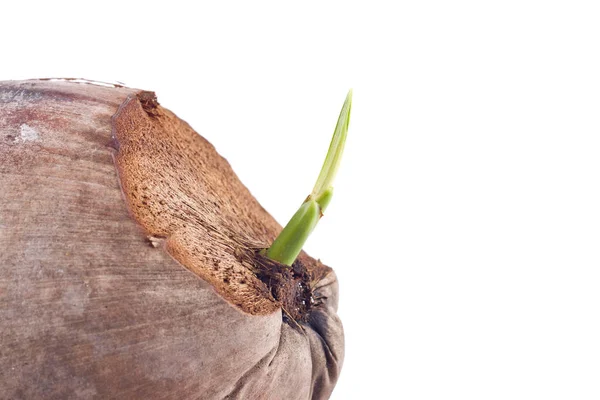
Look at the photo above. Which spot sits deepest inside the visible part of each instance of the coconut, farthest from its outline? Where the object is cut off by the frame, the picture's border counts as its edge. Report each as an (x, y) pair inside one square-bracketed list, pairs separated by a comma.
[(130, 261)]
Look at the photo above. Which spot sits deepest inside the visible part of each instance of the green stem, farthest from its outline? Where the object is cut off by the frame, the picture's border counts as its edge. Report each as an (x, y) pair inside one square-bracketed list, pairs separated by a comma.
[(290, 241)]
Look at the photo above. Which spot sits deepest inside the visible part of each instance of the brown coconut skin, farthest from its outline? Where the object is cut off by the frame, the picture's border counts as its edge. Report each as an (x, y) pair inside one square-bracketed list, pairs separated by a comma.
[(126, 260)]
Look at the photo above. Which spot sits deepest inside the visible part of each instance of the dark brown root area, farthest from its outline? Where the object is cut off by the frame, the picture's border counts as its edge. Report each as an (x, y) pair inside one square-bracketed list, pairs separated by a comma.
[(290, 286)]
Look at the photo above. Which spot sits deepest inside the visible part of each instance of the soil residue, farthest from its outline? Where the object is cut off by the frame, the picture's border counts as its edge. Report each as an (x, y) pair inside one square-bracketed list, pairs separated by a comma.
[(290, 286)]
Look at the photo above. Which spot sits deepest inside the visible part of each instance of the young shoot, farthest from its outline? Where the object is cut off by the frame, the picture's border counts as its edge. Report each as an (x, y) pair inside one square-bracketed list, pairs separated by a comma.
[(290, 241)]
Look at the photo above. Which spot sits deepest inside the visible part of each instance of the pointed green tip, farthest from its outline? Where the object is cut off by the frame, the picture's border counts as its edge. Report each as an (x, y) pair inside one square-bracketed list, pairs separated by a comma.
[(336, 149)]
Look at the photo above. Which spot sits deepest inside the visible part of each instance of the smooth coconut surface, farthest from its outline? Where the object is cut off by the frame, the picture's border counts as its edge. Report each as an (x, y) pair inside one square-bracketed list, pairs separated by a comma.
[(129, 265)]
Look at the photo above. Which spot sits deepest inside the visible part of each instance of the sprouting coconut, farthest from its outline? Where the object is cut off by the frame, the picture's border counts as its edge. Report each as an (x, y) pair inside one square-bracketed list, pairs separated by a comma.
[(134, 264)]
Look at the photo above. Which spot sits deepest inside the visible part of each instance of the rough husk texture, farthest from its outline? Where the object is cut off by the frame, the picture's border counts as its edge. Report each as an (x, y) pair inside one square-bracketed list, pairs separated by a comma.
[(126, 262)]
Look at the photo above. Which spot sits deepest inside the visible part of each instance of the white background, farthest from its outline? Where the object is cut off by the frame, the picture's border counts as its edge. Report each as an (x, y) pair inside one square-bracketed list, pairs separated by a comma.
[(465, 224)]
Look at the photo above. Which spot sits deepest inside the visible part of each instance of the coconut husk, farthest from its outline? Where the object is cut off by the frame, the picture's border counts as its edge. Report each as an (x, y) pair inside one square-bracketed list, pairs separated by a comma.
[(130, 261)]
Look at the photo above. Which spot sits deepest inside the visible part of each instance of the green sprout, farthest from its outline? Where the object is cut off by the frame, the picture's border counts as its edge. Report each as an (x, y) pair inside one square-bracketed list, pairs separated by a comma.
[(290, 241)]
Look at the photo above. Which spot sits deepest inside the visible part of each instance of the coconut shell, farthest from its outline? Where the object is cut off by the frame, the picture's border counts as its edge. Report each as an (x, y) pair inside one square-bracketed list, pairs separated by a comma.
[(130, 265)]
